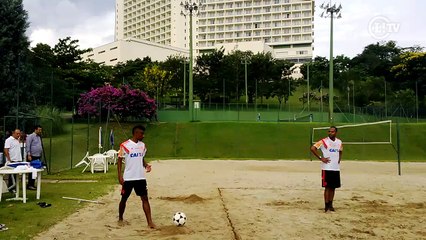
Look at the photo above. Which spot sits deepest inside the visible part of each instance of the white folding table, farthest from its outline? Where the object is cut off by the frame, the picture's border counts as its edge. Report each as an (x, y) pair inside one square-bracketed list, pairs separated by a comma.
[(23, 173)]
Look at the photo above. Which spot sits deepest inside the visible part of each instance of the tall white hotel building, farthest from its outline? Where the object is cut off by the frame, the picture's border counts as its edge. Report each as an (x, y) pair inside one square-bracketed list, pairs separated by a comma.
[(286, 26)]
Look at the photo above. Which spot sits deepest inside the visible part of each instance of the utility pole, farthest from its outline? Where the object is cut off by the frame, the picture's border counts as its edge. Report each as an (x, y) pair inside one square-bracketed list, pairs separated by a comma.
[(190, 8), (331, 11), (246, 61)]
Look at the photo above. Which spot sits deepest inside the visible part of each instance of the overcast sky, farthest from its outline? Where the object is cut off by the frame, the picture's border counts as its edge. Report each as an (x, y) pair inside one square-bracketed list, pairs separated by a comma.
[(363, 22)]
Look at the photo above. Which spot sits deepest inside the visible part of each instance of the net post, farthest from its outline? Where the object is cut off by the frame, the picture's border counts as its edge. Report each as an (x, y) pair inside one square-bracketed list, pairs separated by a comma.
[(398, 151)]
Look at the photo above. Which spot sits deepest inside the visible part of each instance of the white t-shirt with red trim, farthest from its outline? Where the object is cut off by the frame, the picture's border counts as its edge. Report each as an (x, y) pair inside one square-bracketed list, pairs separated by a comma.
[(330, 149), (133, 153)]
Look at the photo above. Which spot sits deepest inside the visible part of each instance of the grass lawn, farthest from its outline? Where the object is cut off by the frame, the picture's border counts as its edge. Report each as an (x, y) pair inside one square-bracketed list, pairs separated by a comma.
[(231, 140), (26, 220), (239, 140)]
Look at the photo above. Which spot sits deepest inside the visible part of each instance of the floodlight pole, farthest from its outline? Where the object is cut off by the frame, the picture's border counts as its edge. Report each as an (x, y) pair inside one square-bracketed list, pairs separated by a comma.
[(189, 8), (184, 82), (309, 107), (330, 83), (246, 61), (331, 11)]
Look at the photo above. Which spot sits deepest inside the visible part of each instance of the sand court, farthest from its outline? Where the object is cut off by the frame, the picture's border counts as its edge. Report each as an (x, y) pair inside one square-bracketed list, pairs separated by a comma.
[(262, 200)]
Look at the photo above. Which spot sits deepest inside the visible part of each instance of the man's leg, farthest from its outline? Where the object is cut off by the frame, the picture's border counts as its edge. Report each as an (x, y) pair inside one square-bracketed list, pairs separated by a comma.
[(126, 189), (147, 210), (11, 184), (326, 199), (330, 199), (121, 209)]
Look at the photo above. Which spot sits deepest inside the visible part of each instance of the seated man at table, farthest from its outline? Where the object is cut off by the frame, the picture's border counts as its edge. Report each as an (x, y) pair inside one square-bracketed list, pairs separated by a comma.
[(12, 153)]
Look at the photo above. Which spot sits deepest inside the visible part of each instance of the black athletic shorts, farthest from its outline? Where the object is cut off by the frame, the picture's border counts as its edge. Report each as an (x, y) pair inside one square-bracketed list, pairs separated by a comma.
[(139, 186), (330, 179)]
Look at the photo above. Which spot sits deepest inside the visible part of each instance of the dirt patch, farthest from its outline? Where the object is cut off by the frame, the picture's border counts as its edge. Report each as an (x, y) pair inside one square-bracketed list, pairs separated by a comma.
[(193, 198)]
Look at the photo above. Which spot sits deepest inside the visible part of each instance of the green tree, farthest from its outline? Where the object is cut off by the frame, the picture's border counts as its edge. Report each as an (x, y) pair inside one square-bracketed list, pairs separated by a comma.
[(233, 74), (15, 73), (68, 53), (42, 59), (411, 71), (155, 81), (318, 72), (208, 76), (127, 73), (174, 66), (377, 59), (282, 85)]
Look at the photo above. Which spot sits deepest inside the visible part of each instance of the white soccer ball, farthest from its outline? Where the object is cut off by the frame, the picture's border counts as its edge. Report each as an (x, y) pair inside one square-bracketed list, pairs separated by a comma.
[(179, 219)]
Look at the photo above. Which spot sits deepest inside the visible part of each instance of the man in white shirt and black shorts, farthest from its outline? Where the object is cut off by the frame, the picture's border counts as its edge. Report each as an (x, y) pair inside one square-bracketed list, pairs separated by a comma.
[(331, 148), (133, 152)]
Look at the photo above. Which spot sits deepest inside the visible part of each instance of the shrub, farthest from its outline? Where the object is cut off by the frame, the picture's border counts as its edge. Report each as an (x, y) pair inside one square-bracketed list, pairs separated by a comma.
[(48, 116), (124, 102)]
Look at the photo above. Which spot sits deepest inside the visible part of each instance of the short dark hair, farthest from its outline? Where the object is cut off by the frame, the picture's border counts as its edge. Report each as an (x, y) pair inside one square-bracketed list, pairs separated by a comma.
[(37, 127), (335, 128), (140, 127)]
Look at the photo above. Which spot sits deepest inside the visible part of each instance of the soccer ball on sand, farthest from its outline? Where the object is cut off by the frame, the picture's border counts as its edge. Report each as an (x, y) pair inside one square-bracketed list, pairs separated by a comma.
[(179, 219)]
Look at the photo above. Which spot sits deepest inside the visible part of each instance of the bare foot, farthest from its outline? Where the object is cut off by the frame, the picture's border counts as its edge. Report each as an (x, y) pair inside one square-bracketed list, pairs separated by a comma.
[(122, 223), (152, 226)]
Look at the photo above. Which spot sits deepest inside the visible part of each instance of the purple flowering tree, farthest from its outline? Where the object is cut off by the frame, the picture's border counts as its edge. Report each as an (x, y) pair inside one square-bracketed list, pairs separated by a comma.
[(124, 102)]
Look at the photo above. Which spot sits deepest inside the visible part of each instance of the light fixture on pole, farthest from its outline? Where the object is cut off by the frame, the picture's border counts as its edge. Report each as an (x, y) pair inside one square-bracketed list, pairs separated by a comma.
[(332, 12), (190, 8)]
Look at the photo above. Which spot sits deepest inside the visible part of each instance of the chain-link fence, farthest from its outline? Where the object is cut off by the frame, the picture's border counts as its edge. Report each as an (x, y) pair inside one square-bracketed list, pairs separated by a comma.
[(272, 112)]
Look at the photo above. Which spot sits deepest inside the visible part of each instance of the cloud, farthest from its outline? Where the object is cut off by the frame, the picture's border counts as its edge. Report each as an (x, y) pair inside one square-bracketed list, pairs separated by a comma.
[(92, 23), (89, 21), (352, 32), (95, 31), (43, 35)]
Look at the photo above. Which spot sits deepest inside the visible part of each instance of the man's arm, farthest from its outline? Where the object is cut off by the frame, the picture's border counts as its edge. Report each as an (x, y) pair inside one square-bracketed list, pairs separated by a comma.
[(119, 166), (6, 154), (146, 166), (315, 152), (28, 148)]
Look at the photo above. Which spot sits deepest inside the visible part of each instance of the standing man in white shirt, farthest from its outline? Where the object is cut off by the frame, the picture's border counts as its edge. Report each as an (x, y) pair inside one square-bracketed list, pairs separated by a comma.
[(12, 152), (133, 152), (331, 148)]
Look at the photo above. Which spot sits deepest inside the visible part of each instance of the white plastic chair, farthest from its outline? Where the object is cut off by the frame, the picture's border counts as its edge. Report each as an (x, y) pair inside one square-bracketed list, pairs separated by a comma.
[(84, 161), (112, 156), (98, 162)]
